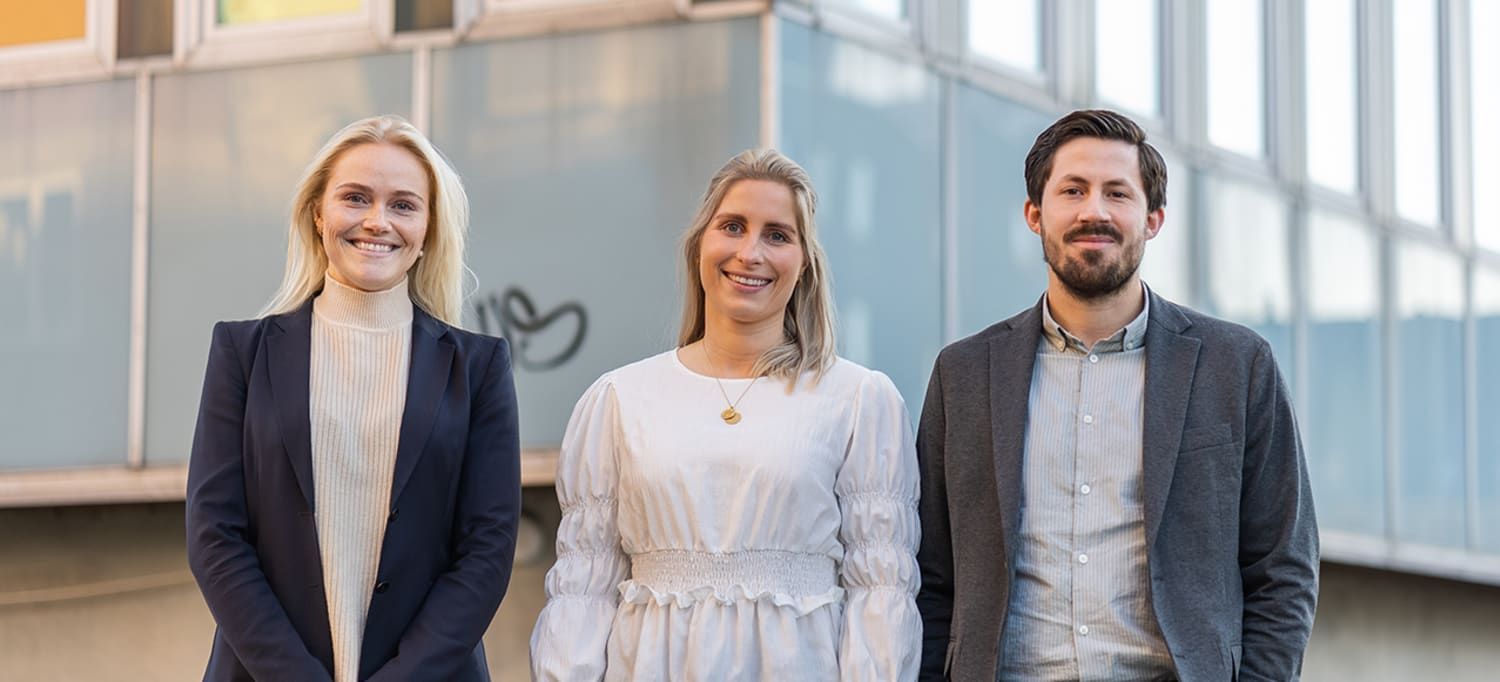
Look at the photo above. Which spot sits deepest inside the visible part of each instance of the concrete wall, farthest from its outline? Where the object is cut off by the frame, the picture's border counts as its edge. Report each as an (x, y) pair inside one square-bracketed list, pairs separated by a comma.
[(103, 593)]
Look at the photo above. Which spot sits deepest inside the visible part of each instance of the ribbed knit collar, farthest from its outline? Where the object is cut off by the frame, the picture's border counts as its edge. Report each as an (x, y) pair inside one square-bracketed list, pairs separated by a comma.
[(346, 306)]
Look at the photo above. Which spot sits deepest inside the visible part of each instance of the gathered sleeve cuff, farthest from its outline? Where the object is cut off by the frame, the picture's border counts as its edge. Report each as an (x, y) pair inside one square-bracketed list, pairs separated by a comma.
[(582, 586), (877, 490)]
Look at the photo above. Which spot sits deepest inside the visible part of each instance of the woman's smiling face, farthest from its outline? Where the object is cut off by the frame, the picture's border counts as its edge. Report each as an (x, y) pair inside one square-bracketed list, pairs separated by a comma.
[(750, 255), (373, 215)]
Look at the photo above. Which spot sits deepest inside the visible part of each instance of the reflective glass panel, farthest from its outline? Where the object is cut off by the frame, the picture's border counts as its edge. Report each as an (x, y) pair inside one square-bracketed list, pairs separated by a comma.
[(1332, 120), (233, 12), (1250, 263), (1342, 418), (1007, 31), (1484, 101), (585, 156), (890, 9), (65, 238), (226, 154), (1415, 72), (1126, 54), (1000, 268), (1429, 396), (1486, 297), (1167, 266), (865, 126), (1236, 82), (27, 21)]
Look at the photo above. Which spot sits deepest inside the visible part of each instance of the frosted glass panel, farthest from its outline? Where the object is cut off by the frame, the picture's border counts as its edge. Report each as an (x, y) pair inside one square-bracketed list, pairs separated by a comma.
[(1236, 81), (1126, 54), (1007, 31), (1000, 268), (585, 157), (1429, 396), (1250, 278), (228, 147), (256, 11), (1486, 297), (1484, 101), (1416, 100), (1342, 418), (866, 128), (65, 221), (1332, 121)]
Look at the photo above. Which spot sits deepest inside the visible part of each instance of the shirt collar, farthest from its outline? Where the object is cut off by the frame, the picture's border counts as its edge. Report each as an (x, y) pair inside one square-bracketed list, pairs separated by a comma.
[(1129, 337)]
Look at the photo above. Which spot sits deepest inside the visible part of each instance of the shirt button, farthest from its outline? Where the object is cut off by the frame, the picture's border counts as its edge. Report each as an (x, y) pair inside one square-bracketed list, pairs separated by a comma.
[(1093, 358), (1088, 419), (1083, 558), (1083, 630), (1085, 489)]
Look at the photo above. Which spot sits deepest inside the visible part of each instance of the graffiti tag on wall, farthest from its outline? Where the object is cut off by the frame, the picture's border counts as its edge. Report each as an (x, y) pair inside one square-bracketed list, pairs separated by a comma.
[(512, 315)]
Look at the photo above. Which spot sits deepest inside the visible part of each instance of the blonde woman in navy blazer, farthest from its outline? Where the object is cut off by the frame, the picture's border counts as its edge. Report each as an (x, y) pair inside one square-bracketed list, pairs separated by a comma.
[(378, 211)]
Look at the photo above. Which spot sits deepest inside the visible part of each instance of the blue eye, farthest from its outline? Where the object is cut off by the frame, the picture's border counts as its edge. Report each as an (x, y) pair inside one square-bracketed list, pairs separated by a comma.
[(405, 206), (779, 237), (354, 197), (733, 228)]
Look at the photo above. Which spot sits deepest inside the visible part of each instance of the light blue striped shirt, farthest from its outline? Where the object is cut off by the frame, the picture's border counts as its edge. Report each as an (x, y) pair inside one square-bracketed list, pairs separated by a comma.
[(1080, 607)]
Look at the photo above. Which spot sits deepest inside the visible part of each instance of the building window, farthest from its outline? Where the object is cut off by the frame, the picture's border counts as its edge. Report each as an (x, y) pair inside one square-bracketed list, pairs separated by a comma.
[(894, 10), (1484, 73), (1127, 55), (1007, 32), (1415, 72), (238, 12), (1236, 76), (30, 23), (1332, 114)]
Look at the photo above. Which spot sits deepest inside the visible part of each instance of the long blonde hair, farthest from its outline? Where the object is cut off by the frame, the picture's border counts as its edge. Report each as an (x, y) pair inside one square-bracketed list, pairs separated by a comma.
[(808, 325), (436, 280)]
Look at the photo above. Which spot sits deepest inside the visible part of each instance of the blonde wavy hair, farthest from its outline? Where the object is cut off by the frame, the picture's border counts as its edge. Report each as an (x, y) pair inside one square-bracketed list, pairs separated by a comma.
[(436, 280), (808, 326)]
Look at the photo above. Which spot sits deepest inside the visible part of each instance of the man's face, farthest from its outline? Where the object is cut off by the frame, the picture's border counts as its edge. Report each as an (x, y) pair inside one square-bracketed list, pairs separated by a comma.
[(1093, 219)]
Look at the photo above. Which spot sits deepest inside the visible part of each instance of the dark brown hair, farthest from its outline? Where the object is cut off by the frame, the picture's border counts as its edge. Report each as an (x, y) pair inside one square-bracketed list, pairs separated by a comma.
[(1105, 125)]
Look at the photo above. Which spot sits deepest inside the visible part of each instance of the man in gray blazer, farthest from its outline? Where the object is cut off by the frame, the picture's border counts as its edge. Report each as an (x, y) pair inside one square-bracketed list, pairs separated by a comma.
[(1113, 487)]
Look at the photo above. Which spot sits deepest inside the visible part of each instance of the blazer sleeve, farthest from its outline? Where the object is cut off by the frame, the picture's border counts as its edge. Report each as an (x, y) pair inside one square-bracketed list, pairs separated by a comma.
[(572, 631), (1278, 533), (223, 560), (462, 602), (935, 600), (877, 493)]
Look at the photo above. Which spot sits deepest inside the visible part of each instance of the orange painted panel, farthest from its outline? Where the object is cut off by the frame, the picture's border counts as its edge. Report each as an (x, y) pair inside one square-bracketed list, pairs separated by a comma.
[(24, 22)]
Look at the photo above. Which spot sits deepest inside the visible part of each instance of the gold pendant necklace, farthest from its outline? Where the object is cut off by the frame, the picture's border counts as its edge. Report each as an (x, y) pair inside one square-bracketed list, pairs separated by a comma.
[(729, 415)]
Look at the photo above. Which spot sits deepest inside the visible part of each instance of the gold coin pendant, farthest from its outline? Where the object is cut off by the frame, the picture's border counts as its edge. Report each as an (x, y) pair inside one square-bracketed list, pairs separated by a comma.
[(730, 416)]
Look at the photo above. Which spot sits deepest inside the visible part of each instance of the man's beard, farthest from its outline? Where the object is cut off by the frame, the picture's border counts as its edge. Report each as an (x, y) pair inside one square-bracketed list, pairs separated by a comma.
[(1090, 276)]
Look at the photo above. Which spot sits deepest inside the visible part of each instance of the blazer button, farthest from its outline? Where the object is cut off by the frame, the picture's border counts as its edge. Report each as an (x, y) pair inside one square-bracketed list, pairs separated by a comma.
[(394, 513), (381, 587)]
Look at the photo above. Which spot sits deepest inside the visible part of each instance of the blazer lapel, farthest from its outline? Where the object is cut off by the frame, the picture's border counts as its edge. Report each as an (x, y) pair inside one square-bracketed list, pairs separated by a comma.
[(1012, 359), (1171, 360), (288, 355), (427, 378)]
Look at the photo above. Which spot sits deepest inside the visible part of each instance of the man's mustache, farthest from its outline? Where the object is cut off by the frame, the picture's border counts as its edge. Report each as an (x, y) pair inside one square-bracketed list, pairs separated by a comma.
[(1096, 230)]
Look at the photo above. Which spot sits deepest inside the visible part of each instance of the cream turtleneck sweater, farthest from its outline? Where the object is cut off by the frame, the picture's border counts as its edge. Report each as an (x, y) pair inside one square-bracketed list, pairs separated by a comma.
[(361, 354)]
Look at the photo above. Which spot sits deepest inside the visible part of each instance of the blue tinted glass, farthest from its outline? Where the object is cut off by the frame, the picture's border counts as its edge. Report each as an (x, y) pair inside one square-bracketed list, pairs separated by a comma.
[(866, 128), (227, 151), (1250, 279), (582, 176), (65, 225), (1000, 267), (1486, 297), (1429, 345), (1341, 425)]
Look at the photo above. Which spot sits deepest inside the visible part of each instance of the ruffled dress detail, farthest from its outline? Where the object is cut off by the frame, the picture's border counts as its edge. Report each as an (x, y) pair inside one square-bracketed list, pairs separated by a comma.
[(779, 548)]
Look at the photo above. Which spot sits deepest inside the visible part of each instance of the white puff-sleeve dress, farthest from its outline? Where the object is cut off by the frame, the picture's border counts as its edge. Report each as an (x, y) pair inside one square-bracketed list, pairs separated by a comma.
[(779, 548)]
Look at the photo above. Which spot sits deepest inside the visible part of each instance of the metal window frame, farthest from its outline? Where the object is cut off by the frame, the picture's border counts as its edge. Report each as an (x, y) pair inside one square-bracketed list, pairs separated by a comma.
[(89, 57)]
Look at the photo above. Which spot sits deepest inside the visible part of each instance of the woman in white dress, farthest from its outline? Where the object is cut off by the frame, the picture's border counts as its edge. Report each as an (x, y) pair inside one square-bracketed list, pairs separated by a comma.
[(742, 507)]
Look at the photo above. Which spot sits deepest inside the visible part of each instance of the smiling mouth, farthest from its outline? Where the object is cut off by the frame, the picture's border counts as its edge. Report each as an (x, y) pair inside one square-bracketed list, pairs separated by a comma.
[(747, 281), (372, 247)]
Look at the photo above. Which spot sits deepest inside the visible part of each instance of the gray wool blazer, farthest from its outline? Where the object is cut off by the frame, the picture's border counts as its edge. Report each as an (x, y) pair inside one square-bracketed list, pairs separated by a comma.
[(1233, 542)]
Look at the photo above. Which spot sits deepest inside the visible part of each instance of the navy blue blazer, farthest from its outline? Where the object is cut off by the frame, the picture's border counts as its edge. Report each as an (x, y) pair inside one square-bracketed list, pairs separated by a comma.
[(449, 541)]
